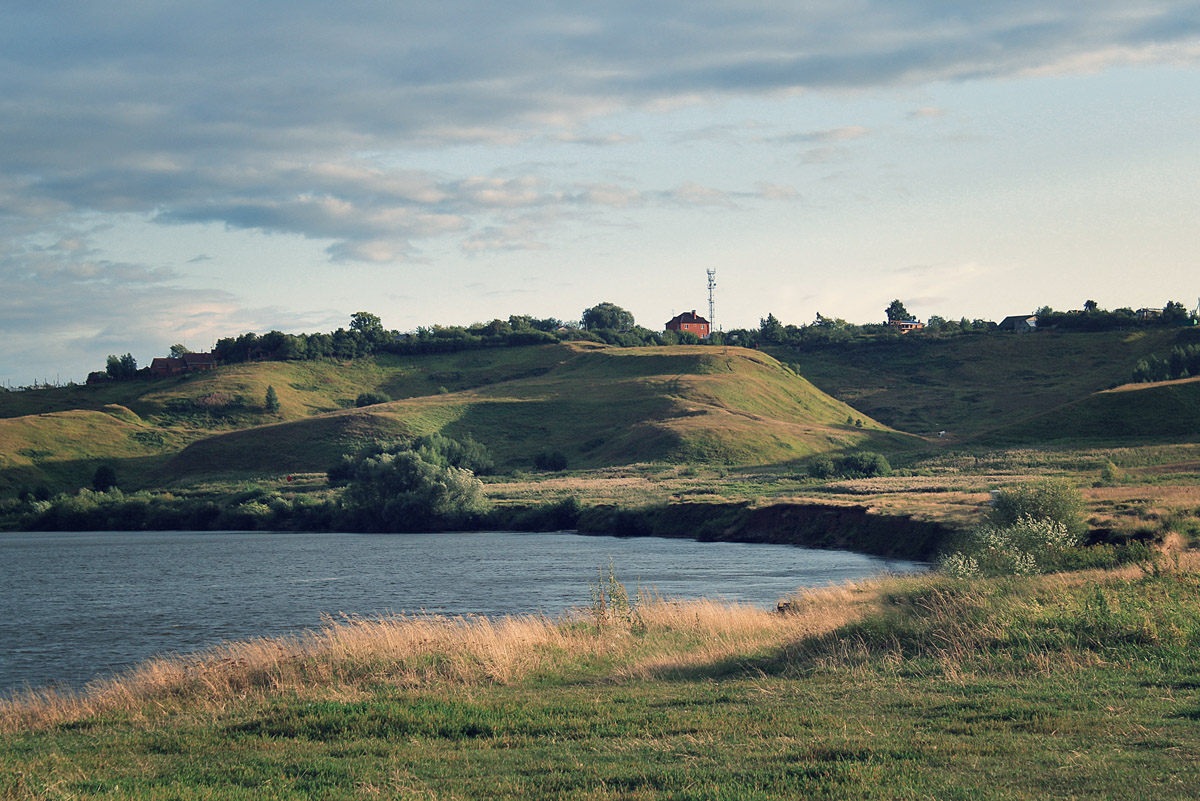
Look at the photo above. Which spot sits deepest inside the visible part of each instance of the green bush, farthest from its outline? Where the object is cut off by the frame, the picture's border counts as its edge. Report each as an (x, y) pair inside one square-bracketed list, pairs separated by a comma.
[(370, 399), (551, 461), (821, 467), (863, 464), (1027, 546), (1053, 499)]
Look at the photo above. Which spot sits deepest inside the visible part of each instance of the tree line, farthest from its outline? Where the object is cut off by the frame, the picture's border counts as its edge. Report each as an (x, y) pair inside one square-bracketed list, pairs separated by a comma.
[(608, 323)]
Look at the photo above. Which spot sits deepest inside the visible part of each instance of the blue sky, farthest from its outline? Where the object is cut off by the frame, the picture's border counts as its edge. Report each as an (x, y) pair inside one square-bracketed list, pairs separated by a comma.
[(180, 171)]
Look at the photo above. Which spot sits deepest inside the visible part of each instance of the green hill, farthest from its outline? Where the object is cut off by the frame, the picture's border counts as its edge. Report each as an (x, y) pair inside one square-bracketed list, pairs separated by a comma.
[(1147, 412), (598, 405), (971, 385)]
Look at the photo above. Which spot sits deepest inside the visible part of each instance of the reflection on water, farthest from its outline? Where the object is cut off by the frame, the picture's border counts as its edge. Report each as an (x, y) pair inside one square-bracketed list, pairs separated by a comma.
[(78, 605)]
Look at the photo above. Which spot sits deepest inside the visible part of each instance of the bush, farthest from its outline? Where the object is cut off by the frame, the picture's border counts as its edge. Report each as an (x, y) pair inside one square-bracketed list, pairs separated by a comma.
[(1052, 499), (821, 467), (863, 464), (1027, 546), (370, 399), (552, 461)]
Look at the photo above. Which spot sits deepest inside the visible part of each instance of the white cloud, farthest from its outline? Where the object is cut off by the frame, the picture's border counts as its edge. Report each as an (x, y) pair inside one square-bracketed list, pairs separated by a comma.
[(290, 117)]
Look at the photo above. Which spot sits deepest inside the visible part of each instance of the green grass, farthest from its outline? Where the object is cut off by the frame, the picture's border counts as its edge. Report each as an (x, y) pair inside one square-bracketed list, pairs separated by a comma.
[(1068, 686), (599, 406), (1151, 412), (969, 385)]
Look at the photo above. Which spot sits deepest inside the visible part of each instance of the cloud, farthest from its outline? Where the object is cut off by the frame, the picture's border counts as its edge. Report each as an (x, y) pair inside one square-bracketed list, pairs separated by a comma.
[(926, 112), (845, 133), (312, 120), (254, 115)]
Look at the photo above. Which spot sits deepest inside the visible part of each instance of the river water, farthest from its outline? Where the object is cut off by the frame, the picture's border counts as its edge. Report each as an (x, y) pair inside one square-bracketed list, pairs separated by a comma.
[(76, 606)]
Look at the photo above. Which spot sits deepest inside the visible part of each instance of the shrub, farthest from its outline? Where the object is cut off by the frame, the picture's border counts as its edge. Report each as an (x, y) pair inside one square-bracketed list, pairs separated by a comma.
[(552, 461), (821, 467), (1053, 499), (370, 399), (863, 464), (1027, 546)]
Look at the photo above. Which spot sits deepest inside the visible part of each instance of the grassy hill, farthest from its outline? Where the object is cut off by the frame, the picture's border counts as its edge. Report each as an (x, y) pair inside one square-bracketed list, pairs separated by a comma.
[(1165, 411), (596, 404), (971, 385)]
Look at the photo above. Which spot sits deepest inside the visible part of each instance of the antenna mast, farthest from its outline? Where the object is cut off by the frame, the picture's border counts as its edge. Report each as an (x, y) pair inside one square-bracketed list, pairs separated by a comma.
[(712, 284)]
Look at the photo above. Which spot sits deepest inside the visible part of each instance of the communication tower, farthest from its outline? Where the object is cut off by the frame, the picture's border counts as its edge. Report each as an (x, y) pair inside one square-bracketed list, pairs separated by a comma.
[(712, 284)]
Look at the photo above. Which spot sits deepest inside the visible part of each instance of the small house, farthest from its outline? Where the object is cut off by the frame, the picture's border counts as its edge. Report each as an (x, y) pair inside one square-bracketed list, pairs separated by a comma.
[(164, 366), (906, 325), (691, 323), (1021, 323)]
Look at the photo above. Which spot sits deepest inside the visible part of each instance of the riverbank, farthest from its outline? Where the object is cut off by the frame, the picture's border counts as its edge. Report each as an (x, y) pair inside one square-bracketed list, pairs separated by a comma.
[(812, 525), (1070, 685)]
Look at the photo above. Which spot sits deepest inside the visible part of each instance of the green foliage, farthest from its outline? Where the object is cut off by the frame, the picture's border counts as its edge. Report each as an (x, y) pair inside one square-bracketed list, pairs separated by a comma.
[(415, 485), (465, 453), (608, 316), (370, 399), (550, 461), (1183, 361), (611, 604), (402, 492), (859, 464), (896, 311), (105, 478), (271, 401), (121, 368), (1053, 499), (821, 466), (1028, 545)]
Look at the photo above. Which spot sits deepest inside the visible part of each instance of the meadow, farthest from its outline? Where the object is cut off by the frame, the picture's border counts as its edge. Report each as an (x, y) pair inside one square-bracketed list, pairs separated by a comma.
[(1082, 685)]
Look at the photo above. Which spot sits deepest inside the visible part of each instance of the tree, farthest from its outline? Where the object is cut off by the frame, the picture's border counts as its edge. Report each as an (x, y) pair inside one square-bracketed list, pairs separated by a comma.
[(104, 479), (1175, 314), (896, 311), (370, 326), (178, 350), (121, 368), (607, 315), (770, 329), (272, 400), (403, 492), (1091, 306)]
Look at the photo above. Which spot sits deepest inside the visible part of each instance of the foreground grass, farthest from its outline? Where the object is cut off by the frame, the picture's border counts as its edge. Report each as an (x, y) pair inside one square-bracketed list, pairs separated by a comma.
[(1079, 685)]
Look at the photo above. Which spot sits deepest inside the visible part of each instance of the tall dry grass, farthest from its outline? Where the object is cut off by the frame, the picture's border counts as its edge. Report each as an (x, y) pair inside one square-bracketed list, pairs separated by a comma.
[(350, 656)]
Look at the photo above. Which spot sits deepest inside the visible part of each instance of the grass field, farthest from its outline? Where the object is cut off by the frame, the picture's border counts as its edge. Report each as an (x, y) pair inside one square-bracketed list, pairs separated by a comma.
[(1064, 686)]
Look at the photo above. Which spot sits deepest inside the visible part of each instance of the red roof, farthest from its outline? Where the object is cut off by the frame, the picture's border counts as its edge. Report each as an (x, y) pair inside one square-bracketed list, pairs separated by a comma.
[(687, 317)]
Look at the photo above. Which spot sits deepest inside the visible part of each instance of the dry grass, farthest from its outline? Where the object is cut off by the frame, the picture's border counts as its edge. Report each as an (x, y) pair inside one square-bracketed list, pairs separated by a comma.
[(351, 655)]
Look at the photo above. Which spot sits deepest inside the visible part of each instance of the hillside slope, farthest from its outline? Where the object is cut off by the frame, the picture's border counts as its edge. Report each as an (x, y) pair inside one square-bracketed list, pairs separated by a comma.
[(596, 404), (970, 385), (1168, 411)]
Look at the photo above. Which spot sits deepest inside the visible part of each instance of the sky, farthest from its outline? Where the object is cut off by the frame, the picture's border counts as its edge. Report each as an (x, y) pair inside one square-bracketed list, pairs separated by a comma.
[(176, 172)]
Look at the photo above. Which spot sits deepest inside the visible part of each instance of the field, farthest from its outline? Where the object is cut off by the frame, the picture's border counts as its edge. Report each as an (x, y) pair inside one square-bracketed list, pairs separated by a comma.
[(1075, 685)]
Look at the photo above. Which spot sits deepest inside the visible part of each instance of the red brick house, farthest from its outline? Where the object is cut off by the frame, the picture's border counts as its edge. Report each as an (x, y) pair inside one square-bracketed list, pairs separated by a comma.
[(690, 322), (187, 363)]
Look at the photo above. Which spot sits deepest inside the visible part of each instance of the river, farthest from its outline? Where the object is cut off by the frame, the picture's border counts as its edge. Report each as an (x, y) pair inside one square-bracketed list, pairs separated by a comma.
[(77, 606)]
